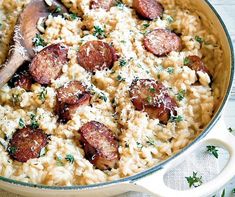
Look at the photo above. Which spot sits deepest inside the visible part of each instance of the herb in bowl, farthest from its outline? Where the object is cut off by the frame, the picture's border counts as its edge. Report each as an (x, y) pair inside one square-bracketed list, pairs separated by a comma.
[(194, 180)]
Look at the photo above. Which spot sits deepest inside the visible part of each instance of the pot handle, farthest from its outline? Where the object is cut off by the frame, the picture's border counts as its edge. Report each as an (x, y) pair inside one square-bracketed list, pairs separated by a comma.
[(218, 136)]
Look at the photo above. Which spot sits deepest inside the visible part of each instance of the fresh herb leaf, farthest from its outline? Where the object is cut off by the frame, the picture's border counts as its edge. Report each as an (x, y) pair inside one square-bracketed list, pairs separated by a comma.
[(150, 141), (231, 130), (59, 161), (103, 97), (170, 70), (213, 150), (170, 19), (123, 41), (223, 193), (122, 62), (73, 16), (120, 5), (34, 122), (139, 145), (99, 32), (39, 41), (176, 118), (194, 180), (152, 90), (16, 99), (146, 25), (180, 95), (42, 95), (21, 123), (58, 9), (186, 61), (199, 39), (12, 150), (120, 78), (42, 152), (150, 99), (69, 158)]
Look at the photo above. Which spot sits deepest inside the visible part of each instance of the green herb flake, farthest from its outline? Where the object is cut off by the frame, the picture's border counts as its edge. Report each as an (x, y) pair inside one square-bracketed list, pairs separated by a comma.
[(150, 99), (150, 141), (59, 161), (170, 70), (139, 145), (186, 61), (122, 62), (58, 9), (12, 150), (99, 32), (199, 39), (69, 158), (170, 19), (123, 41), (152, 90), (73, 16), (146, 25), (180, 95), (120, 5), (233, 191), (120, 78), (231, 130), (42, 95), (213, 150), (34, 122), (223, 193), (39, 41), (21, 123), (103, 97), (176, 119), (16, 99), (42, 152), (194, 180)]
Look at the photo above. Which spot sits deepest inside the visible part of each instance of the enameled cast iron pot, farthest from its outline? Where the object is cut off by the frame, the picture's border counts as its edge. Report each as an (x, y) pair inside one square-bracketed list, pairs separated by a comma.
[(151, 180)]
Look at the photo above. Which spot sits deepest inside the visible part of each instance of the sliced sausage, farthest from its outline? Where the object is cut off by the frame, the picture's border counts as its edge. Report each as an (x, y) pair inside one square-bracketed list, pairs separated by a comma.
[(71, 93), (195, 63), (96, 55), (66, 111), (160, 42), (100, 145), (26, 144), (105, 4), (47, 64), (152, 97), (149, 9)]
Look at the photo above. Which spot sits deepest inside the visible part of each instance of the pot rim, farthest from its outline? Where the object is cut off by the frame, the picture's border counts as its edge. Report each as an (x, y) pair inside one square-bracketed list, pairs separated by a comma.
[(159, 166)]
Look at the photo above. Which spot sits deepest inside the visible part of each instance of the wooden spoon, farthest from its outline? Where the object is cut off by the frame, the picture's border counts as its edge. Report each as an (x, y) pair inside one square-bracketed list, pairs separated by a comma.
[(24, 32)]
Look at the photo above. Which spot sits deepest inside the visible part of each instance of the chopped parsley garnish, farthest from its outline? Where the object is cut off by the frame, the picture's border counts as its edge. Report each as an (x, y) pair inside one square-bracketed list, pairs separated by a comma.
[(120, 5), (170, 70), (69, 158), (176, 119), (42, 95), (123, 41), (103, 97), (150, 99), (152, 90), (194, 180), (120, 78), (199, 39), (146, 25), (150, 141), (139, 145), (99, 32), (39, 41), (180, 95), (122, 62), (12, 150), (213, 150), (170, 19), (34, 122), (21, 123), (58, 9), (186, 61), (73, 16), (231, 130), (59, 161), (16, 99), (42, 152), (223, 193)]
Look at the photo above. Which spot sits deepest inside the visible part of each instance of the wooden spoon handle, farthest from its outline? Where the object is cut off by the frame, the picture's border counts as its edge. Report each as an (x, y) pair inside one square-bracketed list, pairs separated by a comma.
[(18, 54)]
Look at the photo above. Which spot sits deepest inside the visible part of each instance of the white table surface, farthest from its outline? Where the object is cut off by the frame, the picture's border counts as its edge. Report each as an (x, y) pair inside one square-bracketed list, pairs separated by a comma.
[(226, 9)]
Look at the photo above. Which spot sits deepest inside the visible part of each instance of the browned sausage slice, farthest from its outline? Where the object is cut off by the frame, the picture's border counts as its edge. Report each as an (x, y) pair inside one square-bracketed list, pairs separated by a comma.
[(66, 111), (71, 93), (149, 9), (195, 63), (96, 55), (152, 97), (48, 63), (100, 145), (26, 144), (160, 42), (105, 4)]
